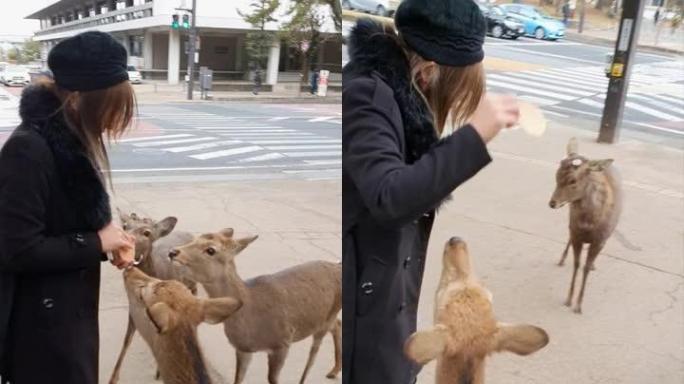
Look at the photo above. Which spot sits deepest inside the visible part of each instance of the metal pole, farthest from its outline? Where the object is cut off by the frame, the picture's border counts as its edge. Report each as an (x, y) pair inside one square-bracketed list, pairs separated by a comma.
[(191, 49), (621, 69)]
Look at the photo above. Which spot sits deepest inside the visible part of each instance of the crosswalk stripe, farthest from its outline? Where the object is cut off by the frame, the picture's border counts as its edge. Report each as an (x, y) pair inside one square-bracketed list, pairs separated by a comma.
[(591, 103), (651, 111), (657, 103), (317, 119), (238, 127), (313, 154), (324, 162), (202, 146), (576, 77), (270, 135), (594, 76), (290, 147), (530, 90), (302, 141), (658, 128), (537, 100), (556, 88), (136, 139), (669, 99), (227, 152), (552, 79), (278, 118), (266, 157), (168, 142)]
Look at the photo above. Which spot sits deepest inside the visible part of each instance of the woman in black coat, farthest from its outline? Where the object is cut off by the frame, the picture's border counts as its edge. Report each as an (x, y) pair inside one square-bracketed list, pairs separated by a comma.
[(398, 91), (55, 219)]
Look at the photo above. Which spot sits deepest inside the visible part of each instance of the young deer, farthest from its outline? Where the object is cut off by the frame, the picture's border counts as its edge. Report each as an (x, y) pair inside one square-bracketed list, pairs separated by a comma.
[(593, 189), (278, 309), (153, 241), (167, 315), (465, 329)]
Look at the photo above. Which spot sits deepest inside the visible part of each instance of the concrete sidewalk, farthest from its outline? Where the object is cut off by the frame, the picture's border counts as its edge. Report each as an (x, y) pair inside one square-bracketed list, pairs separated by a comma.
[(157, 92), (631, 329), (297, 221)]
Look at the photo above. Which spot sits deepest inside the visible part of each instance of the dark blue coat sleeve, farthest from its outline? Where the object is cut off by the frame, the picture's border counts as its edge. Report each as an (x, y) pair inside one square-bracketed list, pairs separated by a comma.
[(393, 191), (24, 199)]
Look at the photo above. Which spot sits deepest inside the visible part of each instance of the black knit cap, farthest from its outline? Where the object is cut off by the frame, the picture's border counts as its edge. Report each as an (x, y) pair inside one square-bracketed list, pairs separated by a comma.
[(88, 61), (448, 32)]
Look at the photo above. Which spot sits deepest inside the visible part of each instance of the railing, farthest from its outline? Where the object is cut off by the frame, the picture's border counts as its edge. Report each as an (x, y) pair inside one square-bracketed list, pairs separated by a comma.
[(121, 15)]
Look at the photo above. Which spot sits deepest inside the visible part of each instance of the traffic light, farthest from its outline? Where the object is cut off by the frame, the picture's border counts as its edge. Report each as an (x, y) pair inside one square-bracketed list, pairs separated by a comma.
[(174, 23), (186, 21)]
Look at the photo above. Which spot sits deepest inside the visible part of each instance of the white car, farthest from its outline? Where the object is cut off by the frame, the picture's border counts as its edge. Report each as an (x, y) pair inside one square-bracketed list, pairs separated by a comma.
[(378, 7), (15, 76), (133, 75)]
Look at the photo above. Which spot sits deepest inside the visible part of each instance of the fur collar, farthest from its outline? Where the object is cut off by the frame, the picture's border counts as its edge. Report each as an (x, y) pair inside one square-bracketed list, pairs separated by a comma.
[(372, 49), (82, 182)]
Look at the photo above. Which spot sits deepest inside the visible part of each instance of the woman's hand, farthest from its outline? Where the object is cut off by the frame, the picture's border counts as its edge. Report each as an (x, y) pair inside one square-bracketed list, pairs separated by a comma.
[(119, 243), (494, 113)]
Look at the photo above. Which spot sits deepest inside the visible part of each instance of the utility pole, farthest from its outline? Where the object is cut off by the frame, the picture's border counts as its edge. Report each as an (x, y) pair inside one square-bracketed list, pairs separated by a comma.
[(620, 70), (192, 47)]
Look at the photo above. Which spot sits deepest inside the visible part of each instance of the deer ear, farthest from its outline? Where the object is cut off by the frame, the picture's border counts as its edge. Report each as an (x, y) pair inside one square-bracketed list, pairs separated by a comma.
[(227, 232), (162, 316), (521, 339), (571, 148), (424, 346), (245, 241), (599, 165), (165, 226), (218, 310)]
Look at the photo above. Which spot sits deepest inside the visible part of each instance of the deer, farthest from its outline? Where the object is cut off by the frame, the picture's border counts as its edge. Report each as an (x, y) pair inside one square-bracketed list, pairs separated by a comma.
[(153, 240), (167, 314), (278, 309), (465, 330), (594, 191)]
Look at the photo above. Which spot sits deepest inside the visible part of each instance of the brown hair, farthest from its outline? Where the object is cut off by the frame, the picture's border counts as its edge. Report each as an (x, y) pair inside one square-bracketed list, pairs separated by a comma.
[(450, 90), (92, 115)]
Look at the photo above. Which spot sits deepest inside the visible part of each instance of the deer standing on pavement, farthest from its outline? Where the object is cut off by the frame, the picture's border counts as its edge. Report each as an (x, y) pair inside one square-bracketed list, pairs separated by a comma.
[(153, 240), (167, 314), (594, 192), (278, 309), (465, 329)]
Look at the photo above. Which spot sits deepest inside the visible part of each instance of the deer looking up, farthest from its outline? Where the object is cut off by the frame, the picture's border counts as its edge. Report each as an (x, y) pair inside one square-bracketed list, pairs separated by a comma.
[(167, 314), (465, 329), (278, 309), (594, 192)]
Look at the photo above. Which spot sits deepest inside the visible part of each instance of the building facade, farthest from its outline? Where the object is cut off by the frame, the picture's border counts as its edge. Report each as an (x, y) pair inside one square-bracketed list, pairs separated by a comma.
[(159, 51)]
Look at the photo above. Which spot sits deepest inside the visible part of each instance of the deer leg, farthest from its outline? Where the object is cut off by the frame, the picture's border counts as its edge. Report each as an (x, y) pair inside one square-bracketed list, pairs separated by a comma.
[(276, 360), (336, 332), (594, 250), (315, 346), (130, 331), (565, 254), (242, 360), (577, 252)]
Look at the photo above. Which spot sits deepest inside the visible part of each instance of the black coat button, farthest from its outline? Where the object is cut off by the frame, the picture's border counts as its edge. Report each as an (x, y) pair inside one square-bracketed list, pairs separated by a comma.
[(48, 303), (79, 239), (367, 287), (407, 262)]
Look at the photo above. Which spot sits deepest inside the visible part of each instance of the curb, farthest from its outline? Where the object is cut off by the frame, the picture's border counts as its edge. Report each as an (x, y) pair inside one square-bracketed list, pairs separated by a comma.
[(573, 36)]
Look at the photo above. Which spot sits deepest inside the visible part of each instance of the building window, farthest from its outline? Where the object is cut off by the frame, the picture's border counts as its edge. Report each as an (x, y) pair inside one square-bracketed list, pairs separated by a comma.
[(135, 44)]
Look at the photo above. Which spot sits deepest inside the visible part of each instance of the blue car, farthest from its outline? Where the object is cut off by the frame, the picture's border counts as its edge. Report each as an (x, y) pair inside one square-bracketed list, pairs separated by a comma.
[(537, 23)]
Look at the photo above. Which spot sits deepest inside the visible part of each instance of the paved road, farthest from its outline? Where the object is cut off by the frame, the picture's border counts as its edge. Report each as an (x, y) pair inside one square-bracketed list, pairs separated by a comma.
[(231, 141), (567, 80)]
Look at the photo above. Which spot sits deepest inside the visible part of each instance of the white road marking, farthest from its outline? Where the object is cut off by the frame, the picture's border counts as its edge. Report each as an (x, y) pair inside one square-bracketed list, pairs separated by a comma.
[(324, 162), (303, 141), (278, 118), (530, 90), (651, 111), (317, 119), (168, 142), (537, 100), (555, 88), (266, 157), (227, 152), (661, 128), (313, 154), (137, 139), (537, 53), (555, 79), (291, 147), (202, 146), (591, 103)]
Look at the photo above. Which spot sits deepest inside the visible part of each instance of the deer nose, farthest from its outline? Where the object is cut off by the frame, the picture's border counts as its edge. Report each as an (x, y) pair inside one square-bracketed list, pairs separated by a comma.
[(552, 203), (455, 240), (174, 252)]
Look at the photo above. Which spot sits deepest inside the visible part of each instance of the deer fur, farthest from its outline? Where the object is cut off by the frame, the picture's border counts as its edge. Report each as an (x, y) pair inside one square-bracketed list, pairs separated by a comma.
[(153, 240), (167, 315), (465, 330), (278, 309), (594, 191)]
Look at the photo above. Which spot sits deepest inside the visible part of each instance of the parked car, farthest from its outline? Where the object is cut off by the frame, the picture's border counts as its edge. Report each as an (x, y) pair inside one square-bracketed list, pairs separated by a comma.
[(537, 23), (378, 7), (498, 24), (133, 75), (15, 76)]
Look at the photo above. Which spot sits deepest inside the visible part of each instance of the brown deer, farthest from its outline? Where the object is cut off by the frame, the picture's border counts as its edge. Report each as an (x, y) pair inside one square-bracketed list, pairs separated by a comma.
[(594, 192), (167, 315), (465, 329), (153, 241), (278, 309)]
